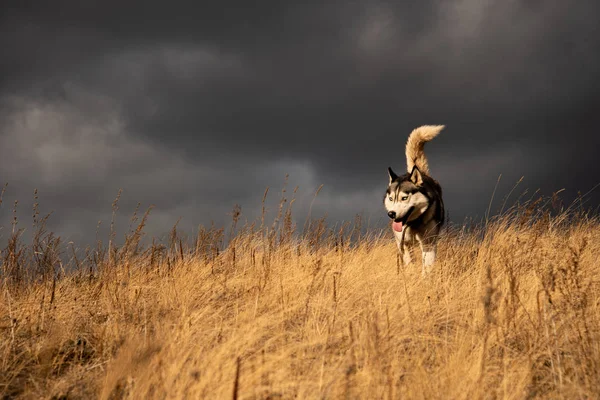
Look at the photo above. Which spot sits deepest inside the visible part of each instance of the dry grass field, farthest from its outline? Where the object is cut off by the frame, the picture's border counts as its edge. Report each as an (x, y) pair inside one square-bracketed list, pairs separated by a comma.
[(511, 311)]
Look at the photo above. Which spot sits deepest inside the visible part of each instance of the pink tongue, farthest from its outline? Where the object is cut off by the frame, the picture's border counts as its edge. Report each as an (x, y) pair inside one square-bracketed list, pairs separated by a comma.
[(397, 226)]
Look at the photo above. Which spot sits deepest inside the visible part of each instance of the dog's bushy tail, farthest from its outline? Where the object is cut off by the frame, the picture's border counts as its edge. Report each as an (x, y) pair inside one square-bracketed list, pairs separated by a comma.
[(414, 147)]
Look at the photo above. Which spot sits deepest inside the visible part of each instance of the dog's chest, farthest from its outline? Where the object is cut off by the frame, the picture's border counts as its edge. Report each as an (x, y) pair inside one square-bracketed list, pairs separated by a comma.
[(408, 232)]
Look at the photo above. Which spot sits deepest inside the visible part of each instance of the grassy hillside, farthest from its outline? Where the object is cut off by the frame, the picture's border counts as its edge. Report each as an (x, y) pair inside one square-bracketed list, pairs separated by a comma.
[(511, 310)]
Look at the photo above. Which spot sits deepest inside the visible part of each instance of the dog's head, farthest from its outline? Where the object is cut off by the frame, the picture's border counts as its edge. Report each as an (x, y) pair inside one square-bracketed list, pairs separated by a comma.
[(405, 199)]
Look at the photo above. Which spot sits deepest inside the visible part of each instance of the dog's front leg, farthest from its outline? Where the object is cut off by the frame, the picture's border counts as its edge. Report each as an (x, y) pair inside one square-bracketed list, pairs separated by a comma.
[(406, 255), (428, 254), (404, 247)]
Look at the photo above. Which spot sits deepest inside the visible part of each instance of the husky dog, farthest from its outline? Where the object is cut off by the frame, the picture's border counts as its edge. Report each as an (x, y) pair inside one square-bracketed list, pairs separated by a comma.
[(414, 200)]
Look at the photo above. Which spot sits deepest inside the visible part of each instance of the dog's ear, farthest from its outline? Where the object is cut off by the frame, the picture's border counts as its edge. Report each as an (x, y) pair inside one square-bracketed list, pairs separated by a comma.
[(416, 177), (392, 174)]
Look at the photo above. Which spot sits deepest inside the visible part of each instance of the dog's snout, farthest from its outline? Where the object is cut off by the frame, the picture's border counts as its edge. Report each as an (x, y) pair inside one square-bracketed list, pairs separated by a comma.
[(392, 214)]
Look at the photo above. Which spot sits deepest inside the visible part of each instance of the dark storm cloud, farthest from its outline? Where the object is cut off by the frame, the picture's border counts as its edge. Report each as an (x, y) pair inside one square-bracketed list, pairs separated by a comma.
[(198, 107)]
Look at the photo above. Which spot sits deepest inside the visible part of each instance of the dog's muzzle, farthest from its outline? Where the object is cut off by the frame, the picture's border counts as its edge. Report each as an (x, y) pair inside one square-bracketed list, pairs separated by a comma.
[(404, 219)]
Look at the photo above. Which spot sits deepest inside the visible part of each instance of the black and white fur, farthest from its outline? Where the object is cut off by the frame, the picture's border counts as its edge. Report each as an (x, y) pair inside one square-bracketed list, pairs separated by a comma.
[(415, 200)]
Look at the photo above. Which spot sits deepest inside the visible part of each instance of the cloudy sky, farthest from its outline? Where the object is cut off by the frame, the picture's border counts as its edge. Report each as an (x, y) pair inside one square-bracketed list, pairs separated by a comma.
[(195, 107)]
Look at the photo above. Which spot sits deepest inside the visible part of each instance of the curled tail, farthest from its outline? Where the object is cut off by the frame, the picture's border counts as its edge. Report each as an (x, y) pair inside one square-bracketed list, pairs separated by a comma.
[(414, 147)]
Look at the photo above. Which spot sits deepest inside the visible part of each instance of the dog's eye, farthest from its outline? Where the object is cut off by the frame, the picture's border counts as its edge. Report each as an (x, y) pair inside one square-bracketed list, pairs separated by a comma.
[(404, 198), (391, 198)]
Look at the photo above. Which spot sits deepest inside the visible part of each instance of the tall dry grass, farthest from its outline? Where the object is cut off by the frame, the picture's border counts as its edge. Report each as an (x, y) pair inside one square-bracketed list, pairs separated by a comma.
[(511, 310)]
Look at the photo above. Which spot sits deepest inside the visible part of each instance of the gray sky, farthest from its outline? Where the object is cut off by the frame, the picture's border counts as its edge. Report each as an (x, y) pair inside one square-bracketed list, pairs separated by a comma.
[(194, 108)]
